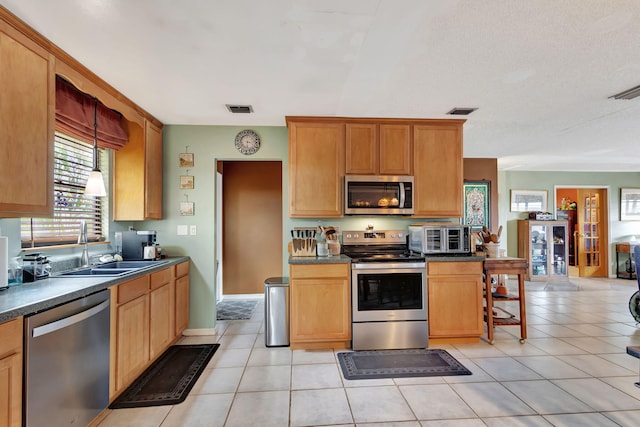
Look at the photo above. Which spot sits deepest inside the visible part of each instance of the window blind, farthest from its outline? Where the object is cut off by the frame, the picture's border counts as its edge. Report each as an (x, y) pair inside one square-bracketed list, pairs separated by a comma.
[(73, 161)]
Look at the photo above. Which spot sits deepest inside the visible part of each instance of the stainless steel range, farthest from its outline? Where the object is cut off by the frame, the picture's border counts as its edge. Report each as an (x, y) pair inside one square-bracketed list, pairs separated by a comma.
[(388, 291)]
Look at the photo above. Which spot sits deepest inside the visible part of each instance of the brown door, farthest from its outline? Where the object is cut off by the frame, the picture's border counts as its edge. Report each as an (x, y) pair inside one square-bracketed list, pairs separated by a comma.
[(251, 225), (592, 241)]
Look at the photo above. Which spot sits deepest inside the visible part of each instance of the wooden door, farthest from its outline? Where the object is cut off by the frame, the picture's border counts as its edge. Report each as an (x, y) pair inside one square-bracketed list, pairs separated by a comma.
[(153, 172), (361, 149), (182, 304), (132, 335), (161, 328), (251, 225), (395, 149), (592, 238)]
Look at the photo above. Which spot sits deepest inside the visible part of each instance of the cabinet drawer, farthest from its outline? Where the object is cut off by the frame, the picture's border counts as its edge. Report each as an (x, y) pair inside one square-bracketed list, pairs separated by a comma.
[(160, 278), (133, 289), (319, 270), (182, 269), (453, 268), (11, 333)]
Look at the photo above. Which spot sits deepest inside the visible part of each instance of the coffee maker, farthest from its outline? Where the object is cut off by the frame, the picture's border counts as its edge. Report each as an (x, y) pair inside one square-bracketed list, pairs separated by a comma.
[(131, 244)]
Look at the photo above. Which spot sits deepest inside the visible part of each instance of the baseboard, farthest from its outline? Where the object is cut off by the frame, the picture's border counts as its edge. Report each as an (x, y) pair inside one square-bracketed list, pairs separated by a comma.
[(241, 296), (199, 332)]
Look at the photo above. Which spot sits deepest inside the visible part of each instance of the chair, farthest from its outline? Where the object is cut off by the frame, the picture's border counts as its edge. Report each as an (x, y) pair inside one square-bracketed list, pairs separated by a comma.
[(634, 307)]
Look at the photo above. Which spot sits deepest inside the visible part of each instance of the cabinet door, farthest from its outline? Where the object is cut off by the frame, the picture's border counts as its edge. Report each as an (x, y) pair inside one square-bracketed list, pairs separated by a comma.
[(455, 306), (161, 314), (362, 149), (153, 172), (320, 310), (132, 340), (182, 304), (316, 169), (27, 89), (437, 168), (395, 150), (11, 373)]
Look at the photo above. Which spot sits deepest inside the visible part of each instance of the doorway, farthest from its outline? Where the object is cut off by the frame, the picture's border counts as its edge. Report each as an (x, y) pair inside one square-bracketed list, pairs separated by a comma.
[(250, 225), (586, 211)]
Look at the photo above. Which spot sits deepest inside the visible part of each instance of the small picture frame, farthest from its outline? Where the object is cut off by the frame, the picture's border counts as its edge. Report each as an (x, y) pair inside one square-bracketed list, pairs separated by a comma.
[(186, 208), (186, 160), (630, 204), (186, 182), (528, 200)]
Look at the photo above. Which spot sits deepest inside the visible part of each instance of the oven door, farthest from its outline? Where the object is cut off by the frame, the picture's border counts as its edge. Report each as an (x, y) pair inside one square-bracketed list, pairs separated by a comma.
[(388, 292)]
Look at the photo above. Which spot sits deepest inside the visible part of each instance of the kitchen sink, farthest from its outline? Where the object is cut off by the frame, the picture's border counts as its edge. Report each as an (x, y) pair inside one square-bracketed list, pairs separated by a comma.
[(125, 264), (93, 272)]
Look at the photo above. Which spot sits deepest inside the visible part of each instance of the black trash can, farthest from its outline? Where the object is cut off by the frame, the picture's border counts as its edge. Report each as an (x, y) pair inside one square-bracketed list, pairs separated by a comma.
[(276, 312)]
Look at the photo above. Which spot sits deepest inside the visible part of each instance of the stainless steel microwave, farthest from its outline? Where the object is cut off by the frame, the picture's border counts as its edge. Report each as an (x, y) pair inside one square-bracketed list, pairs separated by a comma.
[(434, 238), (378, 195)]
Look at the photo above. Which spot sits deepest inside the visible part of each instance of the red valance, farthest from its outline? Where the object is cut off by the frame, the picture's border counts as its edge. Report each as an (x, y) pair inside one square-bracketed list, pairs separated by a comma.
[(75, 117)]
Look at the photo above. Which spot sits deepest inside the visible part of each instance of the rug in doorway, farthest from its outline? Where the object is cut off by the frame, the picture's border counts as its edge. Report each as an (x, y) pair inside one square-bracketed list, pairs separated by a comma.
[(360, 365), (235, 309), (169, 379)]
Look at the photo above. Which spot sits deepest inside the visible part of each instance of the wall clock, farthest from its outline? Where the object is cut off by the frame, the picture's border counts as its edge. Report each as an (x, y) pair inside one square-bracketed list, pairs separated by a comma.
[(247, 142)]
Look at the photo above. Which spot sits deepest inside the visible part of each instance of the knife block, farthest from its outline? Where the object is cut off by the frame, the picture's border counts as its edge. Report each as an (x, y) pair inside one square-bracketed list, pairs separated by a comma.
[(303, 247)]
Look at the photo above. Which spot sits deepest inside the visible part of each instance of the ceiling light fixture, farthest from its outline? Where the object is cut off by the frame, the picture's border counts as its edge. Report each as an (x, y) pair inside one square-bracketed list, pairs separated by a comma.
[(95, 183), (628, 94), (461, 111), (239, 108)]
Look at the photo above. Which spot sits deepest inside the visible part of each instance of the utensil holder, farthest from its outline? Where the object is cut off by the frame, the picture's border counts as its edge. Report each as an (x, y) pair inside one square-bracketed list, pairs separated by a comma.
[(303, 247)]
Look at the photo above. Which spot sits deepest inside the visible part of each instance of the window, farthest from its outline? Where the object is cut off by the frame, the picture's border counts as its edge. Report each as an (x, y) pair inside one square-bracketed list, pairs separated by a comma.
[(73, 161)]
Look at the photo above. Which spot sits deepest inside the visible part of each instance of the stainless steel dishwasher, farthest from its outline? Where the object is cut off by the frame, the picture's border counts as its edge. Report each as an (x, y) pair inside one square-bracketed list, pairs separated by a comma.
[(67, 363)]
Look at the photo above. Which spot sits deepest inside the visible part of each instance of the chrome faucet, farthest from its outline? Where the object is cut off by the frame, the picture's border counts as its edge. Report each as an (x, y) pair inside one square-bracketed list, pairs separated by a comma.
[(82, 240)]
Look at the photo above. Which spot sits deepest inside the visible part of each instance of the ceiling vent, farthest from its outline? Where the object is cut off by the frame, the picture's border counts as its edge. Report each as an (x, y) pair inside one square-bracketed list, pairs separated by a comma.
[(627, 94), (461, 111), (240, 109)]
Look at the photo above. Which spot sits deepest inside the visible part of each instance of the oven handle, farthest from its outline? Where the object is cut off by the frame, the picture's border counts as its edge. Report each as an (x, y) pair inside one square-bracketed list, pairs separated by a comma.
[(395, 266)]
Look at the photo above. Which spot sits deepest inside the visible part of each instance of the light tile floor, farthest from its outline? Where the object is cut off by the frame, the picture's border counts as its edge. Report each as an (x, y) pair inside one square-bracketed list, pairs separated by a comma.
[(571, 371)]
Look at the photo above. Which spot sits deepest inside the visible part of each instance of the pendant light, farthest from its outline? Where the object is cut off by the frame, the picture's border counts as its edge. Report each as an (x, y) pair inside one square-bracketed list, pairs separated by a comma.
[(95, 183)]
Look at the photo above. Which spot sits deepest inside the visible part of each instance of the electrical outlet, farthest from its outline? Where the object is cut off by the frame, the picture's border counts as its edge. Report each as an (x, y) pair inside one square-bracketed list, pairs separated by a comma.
[(192, 230), (182, 230)]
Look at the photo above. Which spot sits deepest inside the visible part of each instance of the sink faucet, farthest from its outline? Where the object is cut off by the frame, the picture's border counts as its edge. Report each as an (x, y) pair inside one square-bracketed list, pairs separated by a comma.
[(82, 240)]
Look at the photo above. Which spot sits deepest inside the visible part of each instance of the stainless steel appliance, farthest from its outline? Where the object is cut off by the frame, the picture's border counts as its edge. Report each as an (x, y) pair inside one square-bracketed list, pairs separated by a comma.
[(67, 363), (388, 291), (276, 312), (378, 195), (440, 238), (131, 244)]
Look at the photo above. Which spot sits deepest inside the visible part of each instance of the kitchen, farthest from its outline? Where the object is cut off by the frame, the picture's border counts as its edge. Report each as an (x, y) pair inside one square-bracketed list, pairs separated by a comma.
[(198, 246)]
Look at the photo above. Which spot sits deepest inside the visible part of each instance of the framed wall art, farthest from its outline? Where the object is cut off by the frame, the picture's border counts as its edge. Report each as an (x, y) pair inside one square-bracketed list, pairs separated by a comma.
[(528, 200), (186, 182), (477, 202), (630, 204), (186, 208), (186, 160)]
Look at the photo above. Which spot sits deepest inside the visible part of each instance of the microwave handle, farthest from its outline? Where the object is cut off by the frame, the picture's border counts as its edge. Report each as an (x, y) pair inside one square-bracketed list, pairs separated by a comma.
[(402, 195)]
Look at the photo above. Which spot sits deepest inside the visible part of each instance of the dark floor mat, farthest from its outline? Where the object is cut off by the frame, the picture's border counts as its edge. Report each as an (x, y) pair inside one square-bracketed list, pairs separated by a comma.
[(169, 379), (235, 309), (360, 365)]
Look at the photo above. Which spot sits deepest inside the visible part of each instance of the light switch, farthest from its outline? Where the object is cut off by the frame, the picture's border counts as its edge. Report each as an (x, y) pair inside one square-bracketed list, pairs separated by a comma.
[(192, 230), (183, 230)]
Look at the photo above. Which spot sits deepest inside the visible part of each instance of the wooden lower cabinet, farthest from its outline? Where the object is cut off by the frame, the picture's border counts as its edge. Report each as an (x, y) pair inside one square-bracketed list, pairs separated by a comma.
[(161, 312), (148, 314), (455, 301), (182, 297), (320, 306), (11, 373)]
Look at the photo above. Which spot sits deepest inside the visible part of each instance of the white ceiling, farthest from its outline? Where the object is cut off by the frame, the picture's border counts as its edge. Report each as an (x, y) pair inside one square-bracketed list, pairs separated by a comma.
[(540, 71)]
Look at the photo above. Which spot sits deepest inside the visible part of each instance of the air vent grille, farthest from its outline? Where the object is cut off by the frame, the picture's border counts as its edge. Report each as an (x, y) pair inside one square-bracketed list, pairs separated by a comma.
[(461, 111), (240, 109), (627, 94)]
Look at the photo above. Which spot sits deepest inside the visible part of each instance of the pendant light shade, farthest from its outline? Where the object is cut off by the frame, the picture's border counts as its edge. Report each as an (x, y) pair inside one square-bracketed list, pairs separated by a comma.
[(95, 183)]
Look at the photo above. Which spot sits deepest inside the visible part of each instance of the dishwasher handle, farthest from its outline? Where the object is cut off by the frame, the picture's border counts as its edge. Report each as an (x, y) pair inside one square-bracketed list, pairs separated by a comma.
[(68, 321)]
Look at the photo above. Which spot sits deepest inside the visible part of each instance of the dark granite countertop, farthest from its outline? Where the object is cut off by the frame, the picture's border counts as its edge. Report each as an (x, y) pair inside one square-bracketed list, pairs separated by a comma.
[(29, 298)]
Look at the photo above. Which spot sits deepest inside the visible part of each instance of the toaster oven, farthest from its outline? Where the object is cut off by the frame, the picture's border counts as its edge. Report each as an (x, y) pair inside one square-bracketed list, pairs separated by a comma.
[(445, 238)]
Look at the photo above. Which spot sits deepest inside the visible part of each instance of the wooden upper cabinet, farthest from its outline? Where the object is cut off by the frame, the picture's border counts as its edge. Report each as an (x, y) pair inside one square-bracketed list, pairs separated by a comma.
[(437, 169), (27, 114), (137, 177), (378, 149), (316, 168)]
